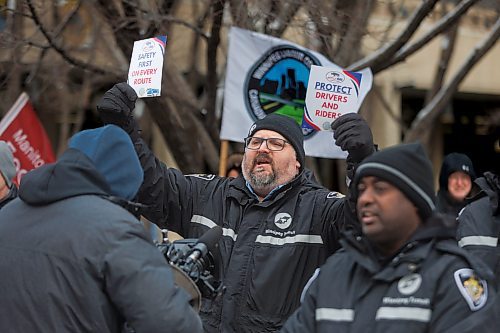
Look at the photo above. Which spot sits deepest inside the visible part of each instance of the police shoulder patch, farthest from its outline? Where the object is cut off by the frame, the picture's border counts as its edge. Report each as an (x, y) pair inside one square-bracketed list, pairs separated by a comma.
[(203, 176), (472, 287)]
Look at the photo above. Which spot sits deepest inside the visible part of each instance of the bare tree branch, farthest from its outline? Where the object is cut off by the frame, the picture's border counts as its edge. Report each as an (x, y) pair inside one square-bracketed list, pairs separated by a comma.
[(431, 111), (335, 28), (392, 21), (318, 11), (380, 56), (450, 19), (56, 34), (60, 50), (388, 108), (284, 17), (175, 20), (239, 13), (360, 11), (448, 45), (212, 78)]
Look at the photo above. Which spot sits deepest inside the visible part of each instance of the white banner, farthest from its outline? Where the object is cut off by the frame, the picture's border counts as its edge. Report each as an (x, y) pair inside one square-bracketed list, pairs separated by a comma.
[(267, 74)]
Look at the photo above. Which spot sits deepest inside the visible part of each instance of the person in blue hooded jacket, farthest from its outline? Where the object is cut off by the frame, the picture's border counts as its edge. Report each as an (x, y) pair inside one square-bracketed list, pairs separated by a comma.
[(73, 260)]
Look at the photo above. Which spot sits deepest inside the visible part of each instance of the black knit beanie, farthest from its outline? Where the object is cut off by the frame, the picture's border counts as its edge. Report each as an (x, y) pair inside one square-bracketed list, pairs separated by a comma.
[(455, 162), (285, 126), (407, 167)]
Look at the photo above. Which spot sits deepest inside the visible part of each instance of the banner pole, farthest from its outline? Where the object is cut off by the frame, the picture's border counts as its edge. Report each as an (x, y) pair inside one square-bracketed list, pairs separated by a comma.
[(224, 147)]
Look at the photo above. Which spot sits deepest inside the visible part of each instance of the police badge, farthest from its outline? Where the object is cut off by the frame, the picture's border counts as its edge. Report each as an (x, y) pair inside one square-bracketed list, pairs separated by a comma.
[(472, 288)]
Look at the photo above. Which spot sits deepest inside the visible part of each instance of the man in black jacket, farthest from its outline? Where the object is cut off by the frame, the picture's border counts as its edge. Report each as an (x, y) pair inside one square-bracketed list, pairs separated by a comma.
[(478, 228), (73, 260), (406, 274), (278, 224)]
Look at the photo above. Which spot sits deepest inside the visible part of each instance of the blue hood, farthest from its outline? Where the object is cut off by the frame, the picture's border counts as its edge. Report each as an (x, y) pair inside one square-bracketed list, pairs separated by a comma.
[(72, 175), (112, 152)]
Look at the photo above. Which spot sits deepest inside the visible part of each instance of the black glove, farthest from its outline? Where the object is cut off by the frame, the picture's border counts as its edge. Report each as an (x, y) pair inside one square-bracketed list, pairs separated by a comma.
[(116, 107), (352, 134)]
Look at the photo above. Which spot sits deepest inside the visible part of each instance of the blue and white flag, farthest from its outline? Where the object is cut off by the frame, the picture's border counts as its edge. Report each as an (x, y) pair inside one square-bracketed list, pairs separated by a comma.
[(267, 74)]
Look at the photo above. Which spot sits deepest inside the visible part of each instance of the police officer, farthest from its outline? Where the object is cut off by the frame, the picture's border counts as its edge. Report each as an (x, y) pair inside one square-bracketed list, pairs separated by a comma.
[(478, 227), (406, 273), (278, 224)]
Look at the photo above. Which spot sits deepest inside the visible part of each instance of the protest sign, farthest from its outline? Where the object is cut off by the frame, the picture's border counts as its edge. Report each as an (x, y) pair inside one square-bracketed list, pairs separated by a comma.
[(331, 93), (24, 134), (146, 66), (267, 74)]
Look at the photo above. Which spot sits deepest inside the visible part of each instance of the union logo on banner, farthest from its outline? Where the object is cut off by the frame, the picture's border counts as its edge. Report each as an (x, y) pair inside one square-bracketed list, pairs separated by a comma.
[(26, 137), (270, 75)]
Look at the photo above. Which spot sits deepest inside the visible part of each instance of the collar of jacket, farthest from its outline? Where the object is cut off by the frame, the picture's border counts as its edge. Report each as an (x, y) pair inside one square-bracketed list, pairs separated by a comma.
[(407, 260), (72, 175)]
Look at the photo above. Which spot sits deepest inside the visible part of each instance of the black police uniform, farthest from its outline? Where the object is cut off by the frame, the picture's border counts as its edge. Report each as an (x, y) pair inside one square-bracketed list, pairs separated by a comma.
[(479, 223), (431, 285)]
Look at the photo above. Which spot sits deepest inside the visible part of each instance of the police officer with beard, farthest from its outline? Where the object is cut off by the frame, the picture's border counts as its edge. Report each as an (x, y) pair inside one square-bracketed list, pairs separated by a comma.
[(278, 224)]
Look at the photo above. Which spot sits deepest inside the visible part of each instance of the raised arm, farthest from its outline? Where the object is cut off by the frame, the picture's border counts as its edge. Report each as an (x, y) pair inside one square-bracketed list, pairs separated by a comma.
[(165, 191)]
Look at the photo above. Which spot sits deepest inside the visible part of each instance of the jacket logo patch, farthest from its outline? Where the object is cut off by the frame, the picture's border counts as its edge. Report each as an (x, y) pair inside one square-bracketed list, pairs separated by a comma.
[(409, 284), (203, 176), (335, 195), (282, 220), (472, 288)]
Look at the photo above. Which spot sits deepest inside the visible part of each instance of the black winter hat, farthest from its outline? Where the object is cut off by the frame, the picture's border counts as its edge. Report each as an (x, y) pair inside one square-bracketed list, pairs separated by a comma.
[(407, 167), (455, 162), (285, 126)]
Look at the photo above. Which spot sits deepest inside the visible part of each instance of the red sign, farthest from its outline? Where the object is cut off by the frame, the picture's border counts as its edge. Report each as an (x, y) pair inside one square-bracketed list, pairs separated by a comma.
[(26, 137)]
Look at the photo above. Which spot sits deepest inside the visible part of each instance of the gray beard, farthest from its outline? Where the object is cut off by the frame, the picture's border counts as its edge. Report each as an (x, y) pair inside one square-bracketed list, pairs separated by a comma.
[(262, 181)]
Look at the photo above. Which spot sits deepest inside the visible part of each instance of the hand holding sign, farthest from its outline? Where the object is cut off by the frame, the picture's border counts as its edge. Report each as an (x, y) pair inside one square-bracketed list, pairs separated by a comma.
[(352, 134), (116, 107), (146, 66), (117, 104)]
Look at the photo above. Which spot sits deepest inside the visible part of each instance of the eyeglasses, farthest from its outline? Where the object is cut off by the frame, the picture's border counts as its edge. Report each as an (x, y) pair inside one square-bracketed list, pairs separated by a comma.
[(274, 144)]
